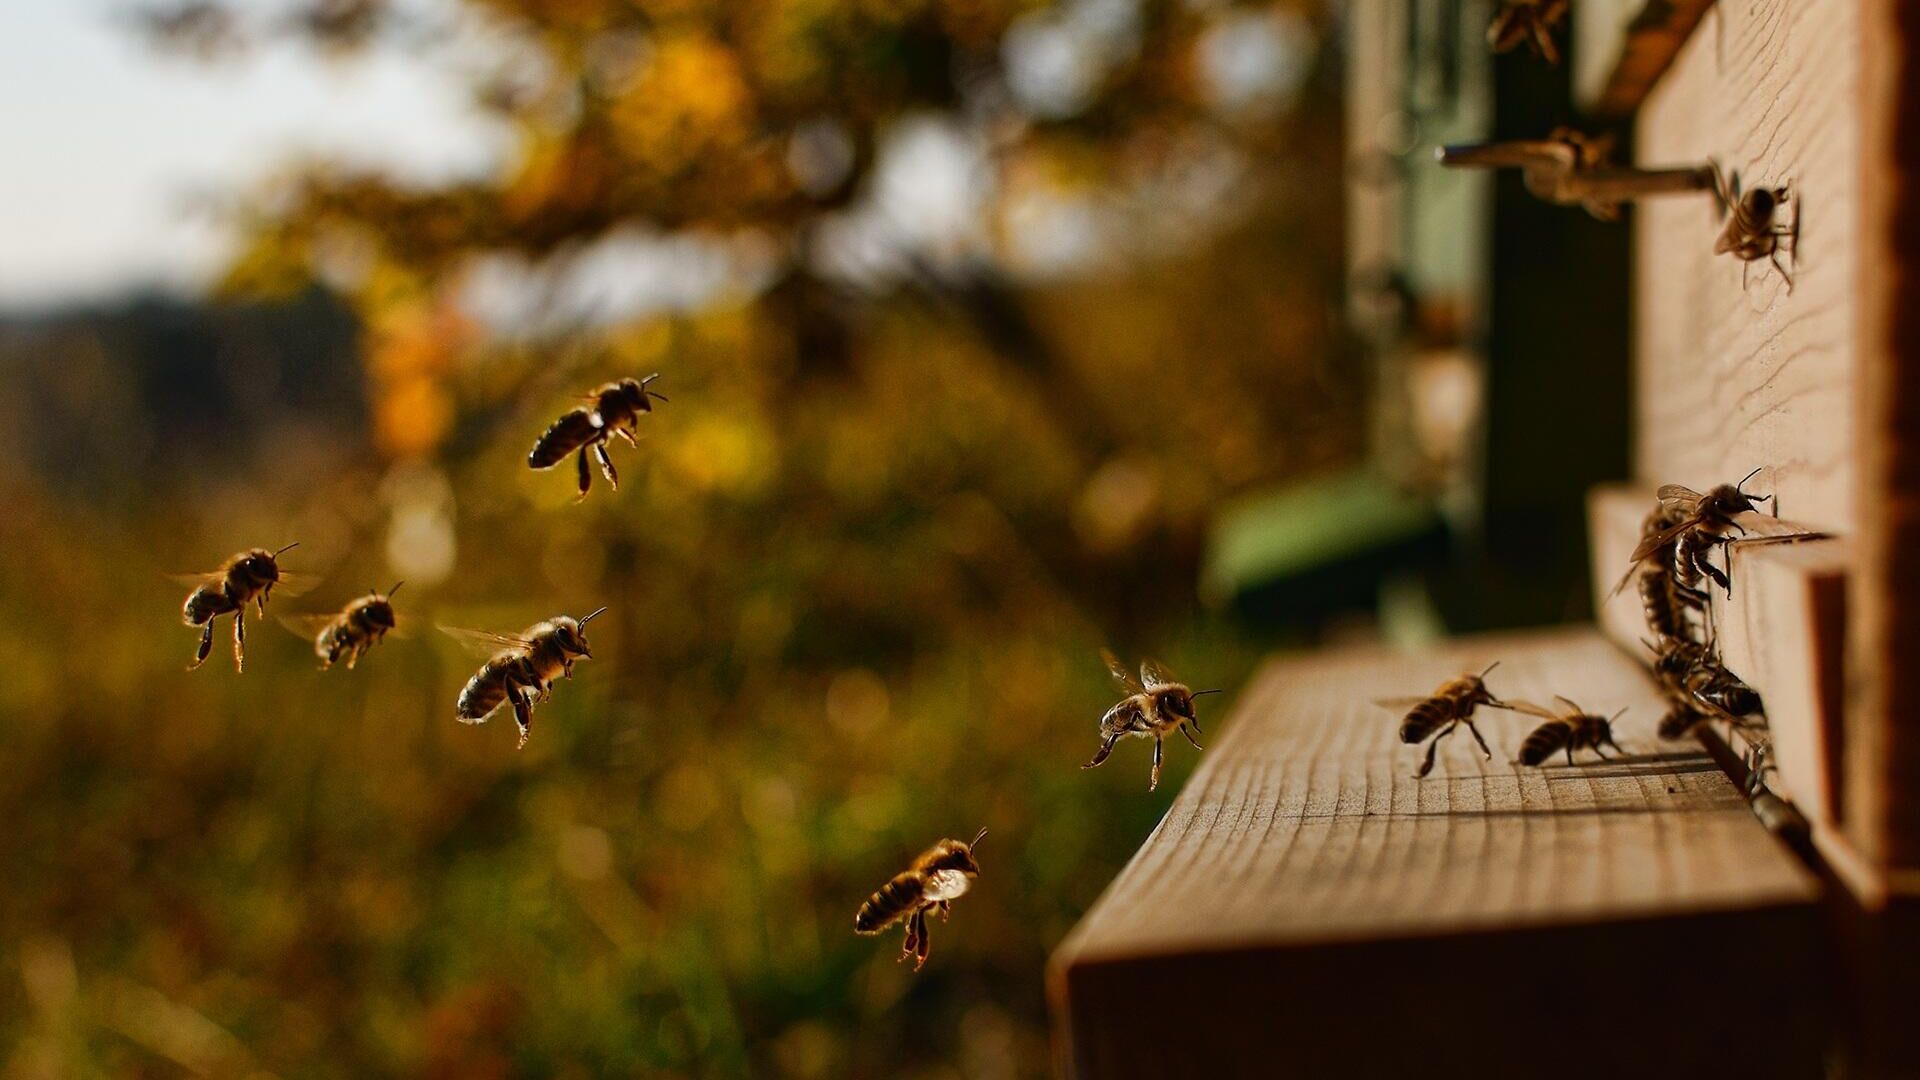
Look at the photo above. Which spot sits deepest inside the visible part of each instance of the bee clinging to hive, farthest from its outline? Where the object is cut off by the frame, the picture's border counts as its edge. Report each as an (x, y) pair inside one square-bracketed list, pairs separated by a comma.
[(1452, 705), (1156, 705), (1530, 22), (521, 669), (613, 409), (347, 634), (1699, 522), (1752, 231), (1569, 729), (941, 873), (243, 579)]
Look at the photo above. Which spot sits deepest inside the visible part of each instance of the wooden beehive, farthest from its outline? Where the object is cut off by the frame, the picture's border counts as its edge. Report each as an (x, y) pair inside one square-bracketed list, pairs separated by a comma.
[(1308, 908)]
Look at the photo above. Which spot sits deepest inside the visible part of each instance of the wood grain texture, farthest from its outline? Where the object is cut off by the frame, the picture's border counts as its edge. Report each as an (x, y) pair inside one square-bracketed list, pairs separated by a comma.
[(1783, 631), (1624, 46), (1306, 897), (1730, 378)]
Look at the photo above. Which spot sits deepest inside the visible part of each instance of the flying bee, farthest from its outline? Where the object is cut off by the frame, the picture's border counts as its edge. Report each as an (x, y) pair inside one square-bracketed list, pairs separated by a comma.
[(1156, 706), (1530, 22), (1569, 168), (521, 668), (613, 409), (942, 872), (1751, 232), (352, 631), (245, 578), (1570, 729), (1452, 705)]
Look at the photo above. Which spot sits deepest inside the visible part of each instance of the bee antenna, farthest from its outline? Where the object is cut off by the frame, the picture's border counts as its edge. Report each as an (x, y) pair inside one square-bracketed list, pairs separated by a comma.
[(649, 378), (1749, 476), (1617, 715), (396, 587), (589, 618), (1197, 693), (977, 837), (286, 549), (657, 394), (1490, 668)]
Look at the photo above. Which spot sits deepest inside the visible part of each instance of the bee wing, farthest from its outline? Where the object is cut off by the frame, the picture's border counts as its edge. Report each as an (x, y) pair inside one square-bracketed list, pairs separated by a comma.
[(1531, 709), (1679, 493), (1120, 673), (1650, 544), (296, 584), (1399, 704), (1154, 674), (208, 577), (305, 625), (484, 642)]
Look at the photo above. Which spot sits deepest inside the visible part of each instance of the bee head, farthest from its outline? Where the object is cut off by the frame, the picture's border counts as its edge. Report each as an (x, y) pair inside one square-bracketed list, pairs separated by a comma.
[(571, 634), (378, 611), (1730, 499), (955, 855), (1177, 704), (635, 394), (260, 566), (1481, 695)]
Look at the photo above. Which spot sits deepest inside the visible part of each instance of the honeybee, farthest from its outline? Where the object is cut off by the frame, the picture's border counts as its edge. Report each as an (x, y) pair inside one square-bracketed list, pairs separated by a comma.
[(1451, 706), (352, 631), (1698, 523), (615, 409), (521, 668), (1668, 577), (1529, 21), (942, 872), (1751, 233), (1156, 706), (245, 578), (1691, 671), (1570, 729), (1568, 168)]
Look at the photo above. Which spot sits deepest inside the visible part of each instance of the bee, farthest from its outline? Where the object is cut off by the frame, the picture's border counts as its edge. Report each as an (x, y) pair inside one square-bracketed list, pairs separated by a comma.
[(245, 578), (1751, 232), (613, 409), (1156, 706), (1569, 168), (1698, 522), (1528, 21), (1450, 706), (1669, 596), (521, 669), (352, 631), (1570, 729), (1700, 688), (942, 872)]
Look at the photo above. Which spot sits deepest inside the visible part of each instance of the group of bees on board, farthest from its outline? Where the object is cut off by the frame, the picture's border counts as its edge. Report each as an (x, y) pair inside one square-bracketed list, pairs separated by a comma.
[(1570, 168), (521, 669), (1674, 568)]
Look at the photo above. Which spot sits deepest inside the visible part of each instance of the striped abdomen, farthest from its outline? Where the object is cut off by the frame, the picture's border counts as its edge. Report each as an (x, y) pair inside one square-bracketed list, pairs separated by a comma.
[(1725, 691), (1549, 737), (573, 430), (1666, 602), (1426, 718), (206, 602), (487, 690), (1679, 720), (895, 900)]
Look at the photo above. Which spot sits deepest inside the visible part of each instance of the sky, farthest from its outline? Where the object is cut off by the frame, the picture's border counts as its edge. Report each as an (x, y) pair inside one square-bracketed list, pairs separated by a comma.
[(105, 145)]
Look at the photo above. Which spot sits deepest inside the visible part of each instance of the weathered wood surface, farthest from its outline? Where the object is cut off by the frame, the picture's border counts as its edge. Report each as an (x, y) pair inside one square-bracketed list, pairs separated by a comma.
[(1308, 899), (1732, 377)]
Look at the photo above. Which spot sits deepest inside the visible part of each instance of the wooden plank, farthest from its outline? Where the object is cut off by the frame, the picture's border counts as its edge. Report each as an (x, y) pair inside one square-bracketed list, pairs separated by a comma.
[(1622, 47), (1307, 906), (1732, 377), (1783, 631)]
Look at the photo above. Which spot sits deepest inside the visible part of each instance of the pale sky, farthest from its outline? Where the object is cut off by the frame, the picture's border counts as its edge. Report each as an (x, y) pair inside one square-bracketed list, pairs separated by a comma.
[(104, 144)]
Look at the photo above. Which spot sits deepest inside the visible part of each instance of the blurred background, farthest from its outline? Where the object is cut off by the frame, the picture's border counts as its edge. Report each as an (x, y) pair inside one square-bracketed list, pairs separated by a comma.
[(995, 331)]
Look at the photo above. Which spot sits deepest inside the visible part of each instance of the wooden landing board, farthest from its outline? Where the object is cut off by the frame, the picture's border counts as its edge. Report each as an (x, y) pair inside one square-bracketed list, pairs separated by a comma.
[(1309, 908)]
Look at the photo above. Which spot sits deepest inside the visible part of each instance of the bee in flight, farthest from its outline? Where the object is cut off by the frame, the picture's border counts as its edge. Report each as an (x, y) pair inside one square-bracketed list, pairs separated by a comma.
[(1752, 231), (352, 631), (1451, 706), (1530, 22), (1569, 729), (520, 670), (1156, 706), (614, 409), (941, 873), (243, 579)]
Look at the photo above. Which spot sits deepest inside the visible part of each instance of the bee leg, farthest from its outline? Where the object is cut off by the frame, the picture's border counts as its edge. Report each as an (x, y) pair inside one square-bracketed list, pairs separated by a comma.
[(1783, 270), (627, 435), (240, 639), (1433, 749), (1190, 738), (1475, 732), (945, 907), (586, 475), (606, 465), (206, 645), (911, 945), (1569, 753), (1743, 275), (522, 714), (926, 943), (1158, 751), (1106, 748)]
